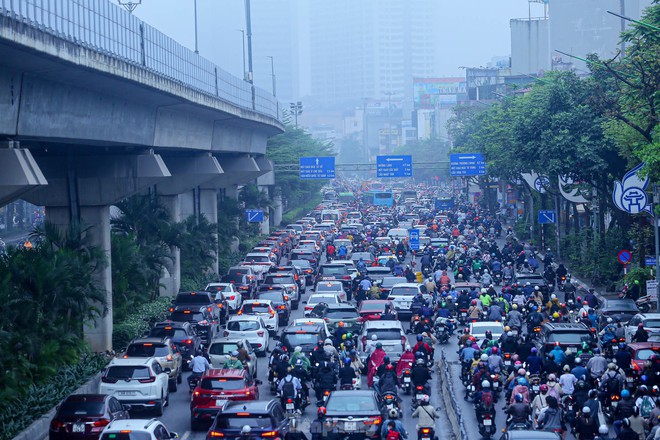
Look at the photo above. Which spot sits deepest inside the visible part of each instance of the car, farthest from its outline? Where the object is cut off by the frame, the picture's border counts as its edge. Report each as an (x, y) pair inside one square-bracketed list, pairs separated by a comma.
[(479, 329), (398, 233), (221, 348), (569, 335), (164, 351), (316, 298), (249, 327), (183, 335), (621, 310), (402, 295), (296, 272), (265, 310), (390, 334), (229, 292), (641, 352), (651, 322), (205, 323), (384, 260), (333, 287), (216, 387), (305, 268), (242, 277), (383, 241), (333, 314), (355, 413), (194, 300), (387, 283), (287, 280), (310, 244), (279, 299), (138, 383), (265, 417), (305, 336), (301, 322), (377, 273), (259, 262), (334, 272), (366, 257), (137, 429), (305, 254), (371, 309), (534, 279), (344, 242), (84, 416)]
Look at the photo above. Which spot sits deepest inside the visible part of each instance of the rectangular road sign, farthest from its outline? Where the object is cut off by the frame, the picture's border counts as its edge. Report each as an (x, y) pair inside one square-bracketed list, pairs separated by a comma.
[(254, 215), (394, 166), (413, 241), (467, 164), (317, 167), (444, 204), (649, 261), (652, 289), (547, 217)]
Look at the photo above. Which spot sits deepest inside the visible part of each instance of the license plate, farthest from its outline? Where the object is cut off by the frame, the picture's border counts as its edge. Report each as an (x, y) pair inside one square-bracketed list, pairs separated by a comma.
[(405, 305), (420, 396), (488, 422), (463, 314), (78, 427), (406, 379), (220, 402), (289, 406), (126, 393), (496, 385), (350, 426), (570, 407), (629, 379), (536, 388), (507, 363), (615, 404)]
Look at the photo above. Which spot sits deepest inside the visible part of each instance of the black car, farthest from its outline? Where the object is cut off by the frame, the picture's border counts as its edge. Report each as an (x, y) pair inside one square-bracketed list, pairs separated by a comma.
[(306, 336), (569, 335), (183, 335), (534, 280), (306, 269), (355, 413), (194, 300), (205, 322), (304, 254), (279, 297), (620, 310), (265, 418), (335, 272), (84, 416)]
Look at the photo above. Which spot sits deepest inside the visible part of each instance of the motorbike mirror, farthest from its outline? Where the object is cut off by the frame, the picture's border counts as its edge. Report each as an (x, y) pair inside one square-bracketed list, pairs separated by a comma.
[(258, 382)]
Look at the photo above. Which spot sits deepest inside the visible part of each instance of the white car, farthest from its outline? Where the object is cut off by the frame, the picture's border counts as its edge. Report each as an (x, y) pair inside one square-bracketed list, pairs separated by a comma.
[(383, 241), (260, 262), (263, 308), (312, 321), (138, 383), (346, 242), (315, 298), (227, 291), (651, 323), (221, 348), (251, 328), (390, 334), (332, 287), (143, 429), (398, 233), (479, 329)]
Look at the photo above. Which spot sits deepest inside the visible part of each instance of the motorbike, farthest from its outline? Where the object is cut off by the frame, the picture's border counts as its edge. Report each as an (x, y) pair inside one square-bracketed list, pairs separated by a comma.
[(193, 381), (487, 427), (406, 381), (466, 373), (417, 396), (645, 303), (497, 278), (507, 362), (424, 433), (441, 331), (354, 385), (390, 401), (400, 256), (570, 411), (609, 406), (534, 386), (496, 385), (463, 316)]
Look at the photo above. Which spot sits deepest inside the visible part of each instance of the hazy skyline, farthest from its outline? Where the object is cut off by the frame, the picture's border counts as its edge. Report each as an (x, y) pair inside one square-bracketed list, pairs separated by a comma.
[(470, 34)]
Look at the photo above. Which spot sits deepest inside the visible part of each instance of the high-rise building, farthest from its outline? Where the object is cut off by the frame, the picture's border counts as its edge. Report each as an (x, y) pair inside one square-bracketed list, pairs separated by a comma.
[(371, 49)]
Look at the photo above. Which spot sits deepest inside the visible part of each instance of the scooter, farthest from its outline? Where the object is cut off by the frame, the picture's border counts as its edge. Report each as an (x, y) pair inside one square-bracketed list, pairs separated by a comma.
[(424, 433), (406, 381), (487, 425)]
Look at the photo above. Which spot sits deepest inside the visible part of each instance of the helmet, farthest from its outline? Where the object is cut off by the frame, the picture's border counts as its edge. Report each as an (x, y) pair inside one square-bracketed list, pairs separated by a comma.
[(603, 430), (484, 357), (610, 320), (643, 389), (298, 349), (555, 315), (534, 350), (485, 384), (537, 288), (596, 350), (517, 364), (521, 372), (552, 377), (581, 384), (509, 333), (586, 410), (419, 337), (389, 367), (640, 325), (519, 398), (534, 308), (379, 345), (494, 350), (553, 296), (507, 328), (420, 362), (321, 411), (328, 341), (393, 413), (514, 306), (346, 360), (234, 353), (578, 360), (557, 344), (521, 381), (425, 398), (626, 421), (566, 368), (341, 323), (544, 388), (625, 393), (474, 302), (611, 366), (386, 359)]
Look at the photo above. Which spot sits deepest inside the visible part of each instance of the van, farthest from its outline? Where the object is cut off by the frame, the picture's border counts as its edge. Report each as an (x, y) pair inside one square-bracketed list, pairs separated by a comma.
[(332, 215)]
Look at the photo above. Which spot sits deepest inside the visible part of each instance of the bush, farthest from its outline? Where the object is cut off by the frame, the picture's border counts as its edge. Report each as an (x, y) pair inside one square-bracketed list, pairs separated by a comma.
[(297, 213), (18, 413), (137, 323)]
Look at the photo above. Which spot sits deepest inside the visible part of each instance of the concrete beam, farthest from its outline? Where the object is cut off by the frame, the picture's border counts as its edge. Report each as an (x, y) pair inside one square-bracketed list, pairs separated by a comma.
[(232, 135), (188, 173), (96, 180), (266, 165), (237, 170), (19, 173)]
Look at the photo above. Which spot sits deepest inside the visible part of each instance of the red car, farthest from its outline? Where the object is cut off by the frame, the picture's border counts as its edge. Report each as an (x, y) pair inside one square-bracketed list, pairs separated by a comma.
[(371, 309), (640, 352), (84, 416), (215, 388)]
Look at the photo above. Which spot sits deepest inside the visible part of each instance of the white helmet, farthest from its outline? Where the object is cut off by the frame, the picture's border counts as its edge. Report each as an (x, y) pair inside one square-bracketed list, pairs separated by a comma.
[(484, 357), (485, 270), (602, 429), (425, 398), (484, 290), (553, 296), (393, 413), (374, 337), (485, 384)]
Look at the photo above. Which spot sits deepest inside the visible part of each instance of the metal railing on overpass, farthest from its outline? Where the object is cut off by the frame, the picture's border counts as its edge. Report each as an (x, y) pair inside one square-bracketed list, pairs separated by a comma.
[(107, 28)]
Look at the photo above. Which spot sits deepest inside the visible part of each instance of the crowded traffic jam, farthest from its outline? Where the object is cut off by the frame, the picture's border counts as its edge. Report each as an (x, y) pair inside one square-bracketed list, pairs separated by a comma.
[(332, 328)]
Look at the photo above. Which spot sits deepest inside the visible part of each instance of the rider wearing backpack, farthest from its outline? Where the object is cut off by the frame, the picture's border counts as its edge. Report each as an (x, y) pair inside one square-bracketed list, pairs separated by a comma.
[(485, 401), (290, 388)]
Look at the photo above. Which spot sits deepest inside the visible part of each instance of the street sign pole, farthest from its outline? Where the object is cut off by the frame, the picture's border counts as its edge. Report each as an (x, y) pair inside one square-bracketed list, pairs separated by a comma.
[(657, 238)]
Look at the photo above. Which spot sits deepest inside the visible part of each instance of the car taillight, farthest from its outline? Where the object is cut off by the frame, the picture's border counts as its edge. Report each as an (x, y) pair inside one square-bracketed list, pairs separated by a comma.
[(347, 277), (360, 319), (150, 380), (216, 434), (282, 307), (101, 422), (233, 297), (374, 420), (226, 333), (188, 341), (169, 357), (56, 425), (269, 434), (260, 332), (404, 340), (244, 287), (364, 342)]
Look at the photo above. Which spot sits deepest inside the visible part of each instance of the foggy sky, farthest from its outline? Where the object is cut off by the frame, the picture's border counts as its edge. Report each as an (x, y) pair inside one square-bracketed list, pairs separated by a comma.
[(473, 32)]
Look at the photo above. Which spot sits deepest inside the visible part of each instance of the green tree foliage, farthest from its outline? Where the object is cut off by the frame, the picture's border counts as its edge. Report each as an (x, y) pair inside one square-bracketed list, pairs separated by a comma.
[(429, 150), (288, 148)]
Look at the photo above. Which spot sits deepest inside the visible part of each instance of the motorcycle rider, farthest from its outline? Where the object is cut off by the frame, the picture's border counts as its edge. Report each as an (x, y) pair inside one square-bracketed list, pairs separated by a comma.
[(326, 380), (303, 376), (586, 426), (519, 411), (495, 312), (198, 365), (539, 402), (346, 373), (579, 371), (423, 347), (419, 374), (534, 319), (550, 417), (514, 317), (641, 335), (407, 360), (232, 362), (623, 410), (299, 355), (611, 382), (533, 362), (426, 414), (597, 365), (484, 401), (290, 388), (393, 416), (495, 363)]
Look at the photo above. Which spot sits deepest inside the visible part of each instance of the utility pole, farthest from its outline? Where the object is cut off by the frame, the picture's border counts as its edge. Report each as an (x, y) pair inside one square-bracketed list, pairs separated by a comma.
[(272, 72), (196, 46), (248, 27)]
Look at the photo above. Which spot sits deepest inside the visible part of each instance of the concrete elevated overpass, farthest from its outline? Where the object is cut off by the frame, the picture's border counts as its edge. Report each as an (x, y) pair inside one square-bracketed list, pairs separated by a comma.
[(96, 106)]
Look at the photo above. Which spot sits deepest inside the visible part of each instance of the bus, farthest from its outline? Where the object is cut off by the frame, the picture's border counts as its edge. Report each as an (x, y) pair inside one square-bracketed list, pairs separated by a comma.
[(346, 197), (378, 198)]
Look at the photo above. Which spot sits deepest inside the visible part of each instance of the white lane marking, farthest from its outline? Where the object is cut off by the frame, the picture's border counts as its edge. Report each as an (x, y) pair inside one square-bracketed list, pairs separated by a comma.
[(186, 435)]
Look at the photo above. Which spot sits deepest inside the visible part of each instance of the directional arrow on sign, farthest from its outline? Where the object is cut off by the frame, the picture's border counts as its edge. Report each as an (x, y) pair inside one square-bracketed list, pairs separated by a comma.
[(317, 161), (467, 157), (395, 159)]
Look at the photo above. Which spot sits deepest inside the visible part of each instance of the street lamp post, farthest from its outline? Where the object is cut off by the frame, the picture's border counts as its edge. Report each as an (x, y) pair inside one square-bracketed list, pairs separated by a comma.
[(272, 72), (248, 28), (242, 31), (196, 47), (296, 109)]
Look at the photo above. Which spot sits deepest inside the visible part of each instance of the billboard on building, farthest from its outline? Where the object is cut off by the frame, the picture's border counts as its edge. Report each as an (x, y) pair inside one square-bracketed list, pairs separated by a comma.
[(437, 92)]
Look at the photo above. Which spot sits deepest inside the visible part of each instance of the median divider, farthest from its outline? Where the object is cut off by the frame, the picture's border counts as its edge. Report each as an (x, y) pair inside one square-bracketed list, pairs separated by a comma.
[(450, 400)]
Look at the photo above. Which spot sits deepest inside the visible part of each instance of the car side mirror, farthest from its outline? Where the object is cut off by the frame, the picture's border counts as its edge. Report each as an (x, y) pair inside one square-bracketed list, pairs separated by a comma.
[(174, 435)]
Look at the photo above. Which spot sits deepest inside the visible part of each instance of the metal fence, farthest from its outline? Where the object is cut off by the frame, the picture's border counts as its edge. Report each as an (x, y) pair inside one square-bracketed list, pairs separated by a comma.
[(108, 28)]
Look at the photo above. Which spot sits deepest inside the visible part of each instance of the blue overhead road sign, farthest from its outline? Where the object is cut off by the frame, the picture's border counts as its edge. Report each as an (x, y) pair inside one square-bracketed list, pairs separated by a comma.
[(413, 241), (317, 167), (254, 215), (467, 164), (547, 217), (394, 166)]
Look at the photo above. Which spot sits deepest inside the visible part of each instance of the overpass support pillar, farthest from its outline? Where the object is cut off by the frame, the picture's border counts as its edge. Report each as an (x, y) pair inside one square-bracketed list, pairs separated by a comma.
[(97, 218), (277, 206), (208, 207), (171, 284)]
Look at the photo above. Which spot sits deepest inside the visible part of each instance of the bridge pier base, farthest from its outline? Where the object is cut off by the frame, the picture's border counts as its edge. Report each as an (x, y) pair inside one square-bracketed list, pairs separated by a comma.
[(171, 282), (208, 207)]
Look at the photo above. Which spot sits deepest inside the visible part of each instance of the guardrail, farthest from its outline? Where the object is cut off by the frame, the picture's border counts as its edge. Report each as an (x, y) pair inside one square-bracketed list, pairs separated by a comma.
[(448, 398), (107, 28)]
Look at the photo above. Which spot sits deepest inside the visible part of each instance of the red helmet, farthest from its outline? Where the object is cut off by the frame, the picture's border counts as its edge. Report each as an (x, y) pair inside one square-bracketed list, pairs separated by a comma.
[(321, 411), (494, 350), (389, 367), (474, 302), (544, 388)]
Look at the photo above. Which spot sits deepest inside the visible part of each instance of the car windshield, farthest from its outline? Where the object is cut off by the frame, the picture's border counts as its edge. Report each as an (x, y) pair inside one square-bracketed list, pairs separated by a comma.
[(405, 291), (219, 384), (256, 308), (234, 421), (351, 403), (186, 316), (257, 259), (243, 326), (342, 314), (315, 299), (272, 296), (79, 408), (384, 333), (133, 435), (223, 288), (333, 270), (123, 372), (147, 350), (170, 332), (302, 338), (279, 280), (372, 307), (652, 323), (220, 348), (303, 264), (234, 278), (188, 298), (645, 353), (329, 287), (574, 337)]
